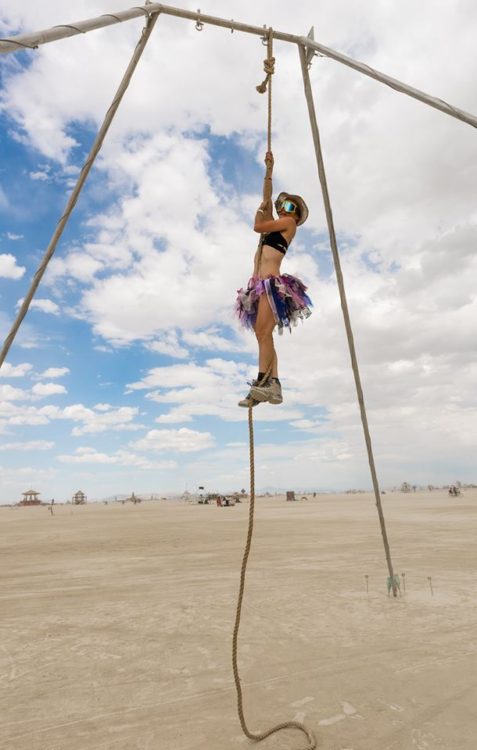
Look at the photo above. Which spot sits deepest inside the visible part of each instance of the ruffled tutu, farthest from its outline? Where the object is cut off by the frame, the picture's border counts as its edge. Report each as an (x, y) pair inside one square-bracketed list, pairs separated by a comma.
[(287, 297)]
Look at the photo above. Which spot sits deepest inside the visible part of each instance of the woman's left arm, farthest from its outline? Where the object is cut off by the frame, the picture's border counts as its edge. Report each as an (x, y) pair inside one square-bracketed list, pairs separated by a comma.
[(265, 211)]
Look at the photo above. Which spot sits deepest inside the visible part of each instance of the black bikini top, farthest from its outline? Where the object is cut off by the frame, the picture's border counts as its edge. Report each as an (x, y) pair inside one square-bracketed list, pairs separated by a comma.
[(276, 240)]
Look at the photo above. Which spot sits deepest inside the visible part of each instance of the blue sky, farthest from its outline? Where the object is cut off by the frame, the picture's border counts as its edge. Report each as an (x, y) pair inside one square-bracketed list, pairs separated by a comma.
[(127, 370)]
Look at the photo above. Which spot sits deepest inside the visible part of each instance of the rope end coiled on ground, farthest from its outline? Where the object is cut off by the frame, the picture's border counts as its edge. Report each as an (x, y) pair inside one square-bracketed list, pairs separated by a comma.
[(255, 736)]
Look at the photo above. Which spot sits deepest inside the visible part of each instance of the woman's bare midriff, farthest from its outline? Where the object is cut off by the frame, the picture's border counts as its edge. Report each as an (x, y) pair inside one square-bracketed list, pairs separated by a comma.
[(270, 262)]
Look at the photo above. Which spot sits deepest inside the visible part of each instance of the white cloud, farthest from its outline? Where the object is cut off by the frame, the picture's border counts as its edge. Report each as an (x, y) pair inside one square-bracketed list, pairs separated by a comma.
[(9, 393), (102, 407), (47, 389), (71, 169), (101, 418), (29, 445), (13, 236), (305, 424), (87, 455), (185, 391), (46, 306), (14, 371), (55, 372), (27, 417), (210, 340), (176, 269), (39, 415), (94, 421), (42, 176), (78, 266), (182, 440), (168, 343), (9, 268), (43, 305)]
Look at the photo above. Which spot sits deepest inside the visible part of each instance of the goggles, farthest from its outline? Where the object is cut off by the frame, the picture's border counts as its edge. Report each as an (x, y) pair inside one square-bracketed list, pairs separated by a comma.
[(288, 206)]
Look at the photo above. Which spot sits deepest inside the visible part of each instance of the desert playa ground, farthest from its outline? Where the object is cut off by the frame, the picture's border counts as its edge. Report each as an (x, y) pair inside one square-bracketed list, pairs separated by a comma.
[(116, 625)]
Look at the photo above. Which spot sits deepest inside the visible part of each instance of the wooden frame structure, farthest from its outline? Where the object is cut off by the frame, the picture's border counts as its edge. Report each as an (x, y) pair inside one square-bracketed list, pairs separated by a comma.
[(307, 48)]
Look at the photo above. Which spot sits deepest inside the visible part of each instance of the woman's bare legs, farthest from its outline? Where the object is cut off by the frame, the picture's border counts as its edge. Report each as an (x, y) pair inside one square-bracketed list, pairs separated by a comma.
[(264, 326)]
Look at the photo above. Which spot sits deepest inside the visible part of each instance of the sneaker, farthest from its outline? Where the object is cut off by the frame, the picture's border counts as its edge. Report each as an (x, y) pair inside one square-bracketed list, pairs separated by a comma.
[(270, 391), (249, 400)]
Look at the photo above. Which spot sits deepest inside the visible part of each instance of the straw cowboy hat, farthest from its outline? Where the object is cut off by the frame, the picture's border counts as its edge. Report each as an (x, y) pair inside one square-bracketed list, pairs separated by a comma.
[(296, 199)]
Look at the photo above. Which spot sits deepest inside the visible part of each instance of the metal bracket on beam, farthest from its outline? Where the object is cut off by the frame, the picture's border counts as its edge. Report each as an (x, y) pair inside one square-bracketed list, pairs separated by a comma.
[(309, 51)]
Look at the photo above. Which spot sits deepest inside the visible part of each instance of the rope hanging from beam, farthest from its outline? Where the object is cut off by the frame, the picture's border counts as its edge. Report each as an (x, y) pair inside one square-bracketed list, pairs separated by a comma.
[(269, 66)]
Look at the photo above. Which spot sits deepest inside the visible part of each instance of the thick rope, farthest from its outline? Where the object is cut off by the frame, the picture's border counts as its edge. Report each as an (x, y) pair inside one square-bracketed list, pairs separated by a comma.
[(269, 68), (344, 307), (266, 85), (145, 34), (258, 736)]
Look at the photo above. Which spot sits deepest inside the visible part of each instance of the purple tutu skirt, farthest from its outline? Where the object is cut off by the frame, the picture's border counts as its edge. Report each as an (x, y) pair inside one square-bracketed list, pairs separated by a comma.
[(287, 297)]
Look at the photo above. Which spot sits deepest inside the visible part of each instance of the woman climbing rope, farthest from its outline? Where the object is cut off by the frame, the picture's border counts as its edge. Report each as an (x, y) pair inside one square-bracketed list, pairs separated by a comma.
[(272, 298)]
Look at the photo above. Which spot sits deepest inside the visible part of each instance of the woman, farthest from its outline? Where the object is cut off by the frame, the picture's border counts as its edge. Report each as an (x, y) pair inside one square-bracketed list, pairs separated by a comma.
[(271, 298)]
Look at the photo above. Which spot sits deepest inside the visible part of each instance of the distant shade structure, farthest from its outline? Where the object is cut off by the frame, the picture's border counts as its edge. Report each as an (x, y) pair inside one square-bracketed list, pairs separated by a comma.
[(79, 498), (30, 497)]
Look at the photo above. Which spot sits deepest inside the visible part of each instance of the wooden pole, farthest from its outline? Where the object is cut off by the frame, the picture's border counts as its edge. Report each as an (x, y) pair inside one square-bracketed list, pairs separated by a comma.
[(71, 202), (344, 305)]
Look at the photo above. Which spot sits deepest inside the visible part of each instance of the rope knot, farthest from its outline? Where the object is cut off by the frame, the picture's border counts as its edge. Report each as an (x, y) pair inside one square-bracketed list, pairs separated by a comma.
[(269, 68)]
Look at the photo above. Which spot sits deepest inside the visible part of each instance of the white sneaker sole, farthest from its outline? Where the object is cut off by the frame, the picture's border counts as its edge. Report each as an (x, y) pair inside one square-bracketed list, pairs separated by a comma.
[(259, 395), (245, 402)]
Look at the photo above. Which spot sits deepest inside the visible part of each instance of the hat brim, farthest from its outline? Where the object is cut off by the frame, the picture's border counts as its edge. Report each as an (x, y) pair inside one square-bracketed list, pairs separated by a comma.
[(296, 199)]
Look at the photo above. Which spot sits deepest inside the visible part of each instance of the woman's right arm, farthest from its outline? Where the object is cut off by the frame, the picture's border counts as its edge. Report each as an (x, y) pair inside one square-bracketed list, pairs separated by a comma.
[(264, 211)]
